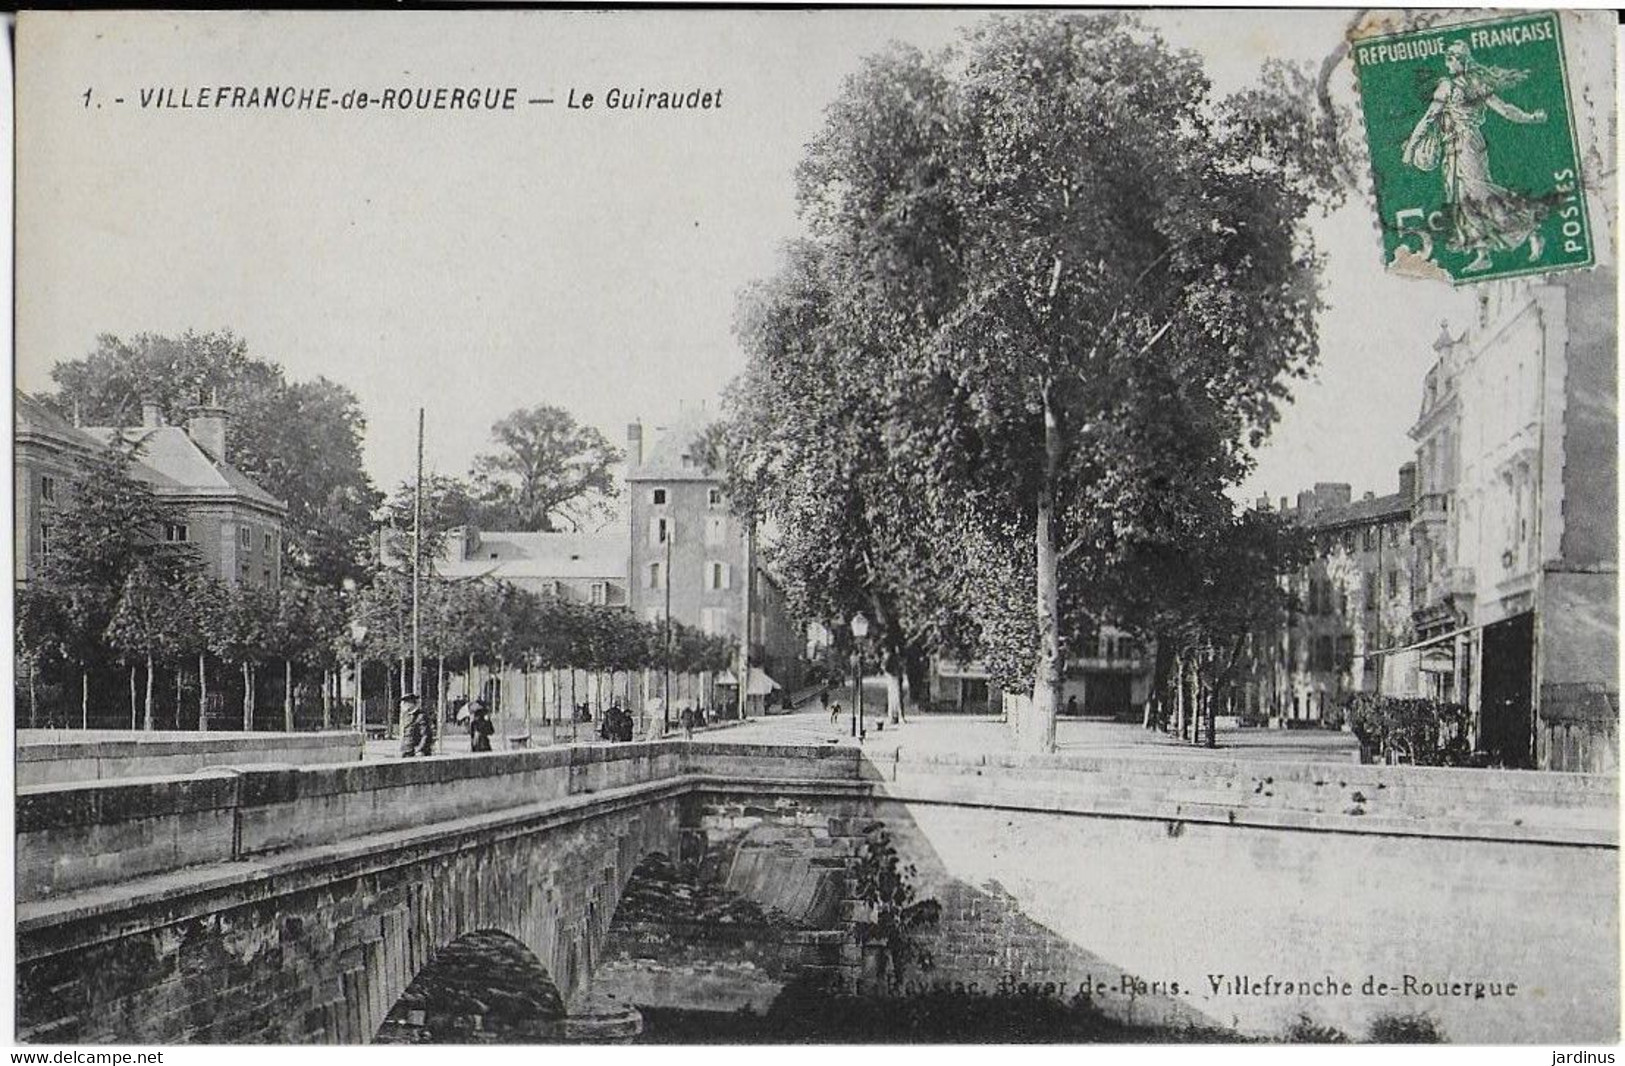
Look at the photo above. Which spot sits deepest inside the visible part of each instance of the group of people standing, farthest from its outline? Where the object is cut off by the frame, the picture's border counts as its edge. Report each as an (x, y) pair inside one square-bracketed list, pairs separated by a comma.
[(418, 730)]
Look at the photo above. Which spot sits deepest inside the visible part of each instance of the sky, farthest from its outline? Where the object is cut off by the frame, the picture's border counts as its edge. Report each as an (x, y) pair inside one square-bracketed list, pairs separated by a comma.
[(475, 263)]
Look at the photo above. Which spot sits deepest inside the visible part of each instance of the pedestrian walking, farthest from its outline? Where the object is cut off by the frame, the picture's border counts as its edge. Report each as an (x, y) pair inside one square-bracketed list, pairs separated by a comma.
[(479, 727), (688, 723), (1072, 706), (835, 714), (417, 731)]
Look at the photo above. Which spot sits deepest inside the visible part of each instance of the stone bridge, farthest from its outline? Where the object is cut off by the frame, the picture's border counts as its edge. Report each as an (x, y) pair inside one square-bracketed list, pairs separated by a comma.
[(289, 905)]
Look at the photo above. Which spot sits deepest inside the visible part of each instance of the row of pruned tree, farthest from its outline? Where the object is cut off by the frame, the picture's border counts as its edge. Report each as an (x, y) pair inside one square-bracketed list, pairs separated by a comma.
[(112, 589)]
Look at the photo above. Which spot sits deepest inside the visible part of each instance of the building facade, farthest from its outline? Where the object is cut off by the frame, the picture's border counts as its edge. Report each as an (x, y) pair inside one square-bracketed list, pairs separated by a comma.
[(587, 568), (1350, 606), (1516, 524), (689, 554), (235, 525)]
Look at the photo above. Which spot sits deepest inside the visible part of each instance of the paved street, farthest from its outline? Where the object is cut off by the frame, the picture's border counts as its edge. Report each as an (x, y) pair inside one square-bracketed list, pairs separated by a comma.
[(964, 734)]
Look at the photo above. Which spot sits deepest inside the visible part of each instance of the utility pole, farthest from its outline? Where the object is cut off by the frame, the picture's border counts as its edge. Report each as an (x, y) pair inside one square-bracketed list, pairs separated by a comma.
[(417, 564), (744, 637), (666, 531)]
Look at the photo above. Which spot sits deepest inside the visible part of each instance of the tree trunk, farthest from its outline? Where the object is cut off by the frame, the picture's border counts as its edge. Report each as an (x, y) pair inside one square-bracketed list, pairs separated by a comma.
[(327, 700), (202, 693), (133, 721), (177, 696), (146, 709), (248, 701), (440, 685), (358, 713), (1037, 733), (84, 699), (917, 667), (33, 700)]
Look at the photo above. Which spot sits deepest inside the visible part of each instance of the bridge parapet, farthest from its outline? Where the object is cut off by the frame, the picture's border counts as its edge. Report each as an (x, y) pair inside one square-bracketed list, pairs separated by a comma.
[(82, 835)]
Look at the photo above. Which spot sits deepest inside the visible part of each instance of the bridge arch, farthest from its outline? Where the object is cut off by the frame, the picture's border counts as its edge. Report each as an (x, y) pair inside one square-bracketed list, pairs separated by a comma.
[(485, 985)]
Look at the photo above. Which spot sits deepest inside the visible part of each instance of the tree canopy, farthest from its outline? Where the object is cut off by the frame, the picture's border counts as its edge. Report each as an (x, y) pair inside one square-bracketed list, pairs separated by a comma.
[(547, 470), (1054, 290)]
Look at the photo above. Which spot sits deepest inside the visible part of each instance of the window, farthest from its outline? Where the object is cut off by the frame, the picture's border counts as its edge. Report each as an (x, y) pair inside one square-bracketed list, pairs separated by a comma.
[(245, 537), (654, 576), (1322, 654), (47, 488), (1345, 653), (44, 541), (658, 497), (1370, 538), (175, 532), (1371, 590), (598, 594), (716, 529), (714, 497), (265, 576), (1393, 582), (660, 528), (270, 543), (716, 575), (1348, 540), (714, 620)]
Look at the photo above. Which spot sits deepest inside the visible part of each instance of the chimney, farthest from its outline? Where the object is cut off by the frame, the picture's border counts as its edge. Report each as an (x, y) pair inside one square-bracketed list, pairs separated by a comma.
[(1261, 504), (1283, 505), (1407, 482), (1306, 503), (634, 445), (151, 414), (206, 425), (1333, 493)]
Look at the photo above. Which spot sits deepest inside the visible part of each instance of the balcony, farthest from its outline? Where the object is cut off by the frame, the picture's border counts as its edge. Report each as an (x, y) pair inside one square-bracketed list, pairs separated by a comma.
[(1431, 509)]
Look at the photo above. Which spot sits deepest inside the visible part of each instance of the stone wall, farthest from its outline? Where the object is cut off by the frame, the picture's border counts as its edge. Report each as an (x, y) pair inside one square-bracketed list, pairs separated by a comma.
[(58, 756), (292, 905)]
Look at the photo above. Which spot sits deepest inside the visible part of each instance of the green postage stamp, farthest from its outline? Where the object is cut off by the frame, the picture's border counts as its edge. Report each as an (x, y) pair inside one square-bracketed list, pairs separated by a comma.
[(1473, 148)]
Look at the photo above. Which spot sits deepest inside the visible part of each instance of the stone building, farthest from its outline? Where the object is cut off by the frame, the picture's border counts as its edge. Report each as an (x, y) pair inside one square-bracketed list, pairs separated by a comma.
[(1351, 605), (1516, 525), (690, 551), (585, 568), (235, 525)]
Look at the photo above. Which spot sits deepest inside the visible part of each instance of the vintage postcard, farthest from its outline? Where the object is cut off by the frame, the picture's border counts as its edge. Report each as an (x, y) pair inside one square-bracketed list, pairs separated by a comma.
[(906, 526)]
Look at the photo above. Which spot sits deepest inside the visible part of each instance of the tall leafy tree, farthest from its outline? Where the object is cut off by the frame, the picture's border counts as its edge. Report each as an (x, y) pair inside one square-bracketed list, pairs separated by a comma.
[(1077, 287), (547, 470)]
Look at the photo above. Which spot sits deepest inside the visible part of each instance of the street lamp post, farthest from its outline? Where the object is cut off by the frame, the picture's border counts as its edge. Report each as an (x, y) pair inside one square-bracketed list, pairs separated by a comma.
[(860, 630)]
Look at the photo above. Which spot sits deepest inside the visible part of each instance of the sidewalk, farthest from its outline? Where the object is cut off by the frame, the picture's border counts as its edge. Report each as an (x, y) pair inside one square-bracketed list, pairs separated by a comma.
[(979, 734)]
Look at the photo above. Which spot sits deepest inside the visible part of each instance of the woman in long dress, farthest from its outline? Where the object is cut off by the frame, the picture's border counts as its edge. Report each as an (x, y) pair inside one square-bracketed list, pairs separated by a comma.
[(1485, 217)]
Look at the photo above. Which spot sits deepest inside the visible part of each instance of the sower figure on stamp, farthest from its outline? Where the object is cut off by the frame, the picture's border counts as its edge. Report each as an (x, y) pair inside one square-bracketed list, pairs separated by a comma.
[(1485, 216), (417, 731)]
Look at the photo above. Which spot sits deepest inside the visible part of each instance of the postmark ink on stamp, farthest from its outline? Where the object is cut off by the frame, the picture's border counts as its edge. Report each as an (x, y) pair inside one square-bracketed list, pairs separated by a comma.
[(1473, 149)]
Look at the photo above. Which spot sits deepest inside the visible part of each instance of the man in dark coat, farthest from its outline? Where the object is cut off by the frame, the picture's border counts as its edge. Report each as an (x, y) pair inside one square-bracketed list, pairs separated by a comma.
[(417, 731), (479, 727)]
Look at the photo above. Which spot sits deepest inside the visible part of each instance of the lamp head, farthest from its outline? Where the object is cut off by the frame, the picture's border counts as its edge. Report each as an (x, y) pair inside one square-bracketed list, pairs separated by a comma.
[(860, 626)]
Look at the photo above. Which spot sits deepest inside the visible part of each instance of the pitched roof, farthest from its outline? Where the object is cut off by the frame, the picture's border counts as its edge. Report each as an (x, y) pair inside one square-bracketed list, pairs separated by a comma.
[(514, 555), (1358, 511), (667, 456), (182, 466), (34, 417)]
